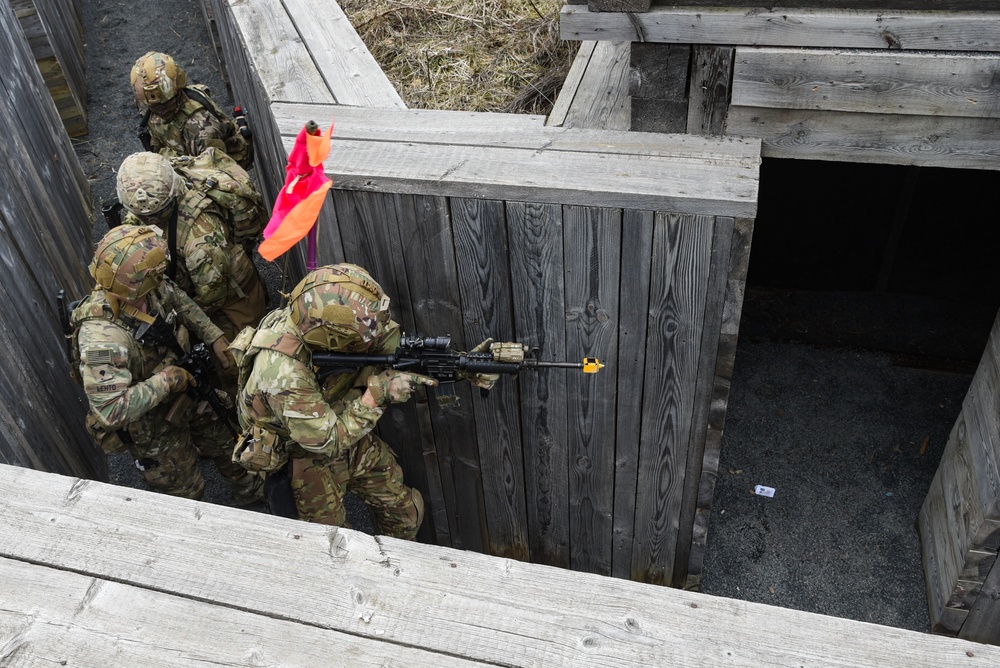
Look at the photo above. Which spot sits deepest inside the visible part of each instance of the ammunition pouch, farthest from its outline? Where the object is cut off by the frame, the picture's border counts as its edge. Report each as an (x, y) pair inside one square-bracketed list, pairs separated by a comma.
[(258, 449), (109, 441)]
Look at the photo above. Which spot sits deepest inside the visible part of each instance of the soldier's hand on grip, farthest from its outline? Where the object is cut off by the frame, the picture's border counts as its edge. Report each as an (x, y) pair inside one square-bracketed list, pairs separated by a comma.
[(393, 386), (220, 347), (178, 379)]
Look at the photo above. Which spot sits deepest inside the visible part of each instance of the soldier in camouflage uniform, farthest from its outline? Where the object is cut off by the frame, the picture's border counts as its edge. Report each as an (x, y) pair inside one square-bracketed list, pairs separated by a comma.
[(183, 118), (207, 262), (324, 431), (132, 385)]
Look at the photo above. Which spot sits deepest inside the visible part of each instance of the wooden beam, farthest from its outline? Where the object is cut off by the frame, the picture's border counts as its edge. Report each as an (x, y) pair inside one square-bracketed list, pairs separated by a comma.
[(861, 28), (876, 82), (187, 578)]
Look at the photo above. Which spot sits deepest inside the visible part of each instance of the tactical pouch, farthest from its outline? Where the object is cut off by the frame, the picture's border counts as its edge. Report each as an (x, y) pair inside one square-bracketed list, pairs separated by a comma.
[(260, 450), (110, 441)]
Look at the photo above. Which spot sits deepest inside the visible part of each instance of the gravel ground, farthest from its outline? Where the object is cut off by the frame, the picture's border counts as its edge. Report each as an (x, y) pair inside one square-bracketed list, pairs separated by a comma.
[(848, 436)]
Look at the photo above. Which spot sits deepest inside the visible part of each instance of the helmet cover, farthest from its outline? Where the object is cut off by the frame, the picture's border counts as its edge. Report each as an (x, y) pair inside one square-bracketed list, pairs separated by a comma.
[(130, 261), (156, 79), (147, 183), (339, 307)]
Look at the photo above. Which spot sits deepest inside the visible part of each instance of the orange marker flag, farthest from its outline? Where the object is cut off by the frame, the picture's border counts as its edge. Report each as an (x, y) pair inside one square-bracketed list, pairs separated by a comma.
[(297, 206)]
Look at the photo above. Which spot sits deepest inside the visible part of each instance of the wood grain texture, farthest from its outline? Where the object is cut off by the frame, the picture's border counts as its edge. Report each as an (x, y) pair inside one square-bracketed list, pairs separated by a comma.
[(483, 262), (45, 246), (711, 85), (863, 27), (680, 272), (535, 235), (383, 597), (875, 82), (633, 318), (928, 141), (592, 252), (351, 73), (600, 99)]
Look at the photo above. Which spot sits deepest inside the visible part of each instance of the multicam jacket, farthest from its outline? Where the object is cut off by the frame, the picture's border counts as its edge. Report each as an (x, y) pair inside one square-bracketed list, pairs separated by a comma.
[(211, 267), (281, 394), (119, 375), (194, 127)]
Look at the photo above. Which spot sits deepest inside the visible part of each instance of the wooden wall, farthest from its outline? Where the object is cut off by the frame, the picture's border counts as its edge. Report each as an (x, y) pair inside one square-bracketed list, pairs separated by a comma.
[(45, 243), (54, 32), (960, 519), (827, 81), (582, 242)]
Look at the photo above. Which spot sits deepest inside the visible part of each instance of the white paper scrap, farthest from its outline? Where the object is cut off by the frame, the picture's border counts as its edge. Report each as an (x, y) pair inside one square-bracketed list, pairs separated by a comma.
[(761, 490)]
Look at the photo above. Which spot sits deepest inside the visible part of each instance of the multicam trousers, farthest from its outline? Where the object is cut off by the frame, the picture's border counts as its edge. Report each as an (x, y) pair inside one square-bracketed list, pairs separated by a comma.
[(369, 470), (167, 455)]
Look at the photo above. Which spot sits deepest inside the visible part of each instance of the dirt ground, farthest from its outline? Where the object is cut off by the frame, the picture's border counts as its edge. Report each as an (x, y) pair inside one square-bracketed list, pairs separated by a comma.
[(848, 435)]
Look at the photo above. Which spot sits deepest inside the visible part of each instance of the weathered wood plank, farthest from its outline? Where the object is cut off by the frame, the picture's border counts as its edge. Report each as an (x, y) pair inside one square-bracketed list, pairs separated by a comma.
[(351, 73), (480, 233), (633, 315), (429, 126), (592, 256), (618, 5), (284, 68), (658, 77), (450, 451), (886, 82), (600, 98), (471, 606), (983, 624), (928, 141), (711, 83), (739, 263), (681, 262), (560, 108), (535, 235), (862, 28), (553, 177), (54, 617), (704, 391)]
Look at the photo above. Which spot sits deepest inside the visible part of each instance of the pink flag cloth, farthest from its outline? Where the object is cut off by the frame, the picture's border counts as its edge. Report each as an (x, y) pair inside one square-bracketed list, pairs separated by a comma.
[(301, 198)]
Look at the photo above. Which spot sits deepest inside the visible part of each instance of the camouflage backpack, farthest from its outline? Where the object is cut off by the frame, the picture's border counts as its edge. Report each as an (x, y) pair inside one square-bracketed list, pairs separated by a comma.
[(218, 177)]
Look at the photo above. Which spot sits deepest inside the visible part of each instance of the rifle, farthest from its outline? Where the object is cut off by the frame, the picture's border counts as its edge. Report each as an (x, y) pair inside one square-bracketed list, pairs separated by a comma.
[(112, 214), (198, 363), (67, 328), (433, 356)]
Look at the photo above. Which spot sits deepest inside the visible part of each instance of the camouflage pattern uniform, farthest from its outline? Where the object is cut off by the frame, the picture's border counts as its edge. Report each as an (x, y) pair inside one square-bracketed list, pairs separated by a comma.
[(214, 270), (128, 383), (325, 430), (177, 121)]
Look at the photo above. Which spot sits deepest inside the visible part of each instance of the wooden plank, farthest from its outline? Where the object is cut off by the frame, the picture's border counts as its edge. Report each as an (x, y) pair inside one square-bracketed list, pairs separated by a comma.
[(874, 82), (451, 455), (983, 624), (560, 108), (535, 235), (633, 314), (472, 606), (618, 5), (704, 390), (54, 617), (711, 83), (601, 99), (284, 68), (351, 73), (553, 177), (927, 141), (658, 76), (681, 261), (480, 233), (592, 255), (861, 28), (430, 126)]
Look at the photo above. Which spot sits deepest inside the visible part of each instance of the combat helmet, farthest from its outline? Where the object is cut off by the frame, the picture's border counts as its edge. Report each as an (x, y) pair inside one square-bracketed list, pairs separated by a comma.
[(130, 261), (156, 80), (147, 183), (339, 307)]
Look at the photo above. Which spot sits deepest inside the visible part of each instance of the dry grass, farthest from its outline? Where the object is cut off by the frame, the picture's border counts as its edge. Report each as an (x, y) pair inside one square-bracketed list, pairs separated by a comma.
[(472, 55)]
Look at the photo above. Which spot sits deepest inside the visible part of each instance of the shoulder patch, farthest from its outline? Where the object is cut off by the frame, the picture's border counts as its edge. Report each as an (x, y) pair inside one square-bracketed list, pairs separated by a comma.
[(99, 356)]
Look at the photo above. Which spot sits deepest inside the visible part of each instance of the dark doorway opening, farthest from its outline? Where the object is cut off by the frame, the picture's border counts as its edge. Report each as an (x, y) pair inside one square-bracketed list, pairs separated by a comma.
[(870, 297)]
